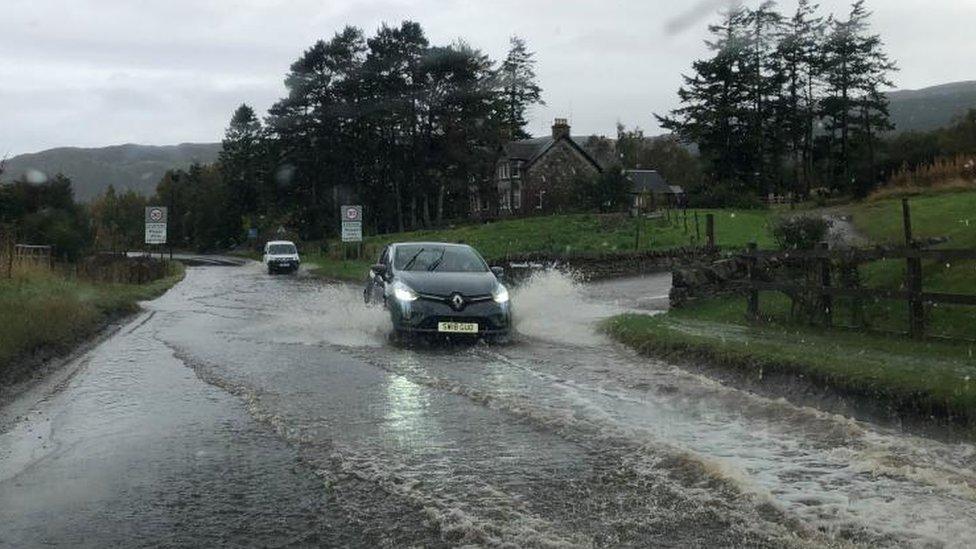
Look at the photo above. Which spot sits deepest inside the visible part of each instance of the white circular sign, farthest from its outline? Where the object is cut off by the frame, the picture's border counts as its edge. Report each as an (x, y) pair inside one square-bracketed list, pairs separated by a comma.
[(156, 215), (352, 214)]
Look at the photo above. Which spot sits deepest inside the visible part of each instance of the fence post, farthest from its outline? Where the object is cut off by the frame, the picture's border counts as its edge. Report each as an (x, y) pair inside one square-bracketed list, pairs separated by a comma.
[(752, 307), (826, 299), (710, 229), (684, 214), (637, 231), (697, 230), (913, 277)]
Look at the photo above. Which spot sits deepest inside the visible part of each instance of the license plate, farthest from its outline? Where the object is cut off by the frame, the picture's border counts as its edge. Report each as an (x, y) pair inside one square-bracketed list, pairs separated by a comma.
[(457, 327)]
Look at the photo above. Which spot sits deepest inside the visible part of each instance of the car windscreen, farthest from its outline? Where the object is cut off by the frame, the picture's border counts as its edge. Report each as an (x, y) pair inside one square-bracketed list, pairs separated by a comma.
[(281, 249), (449, 259)]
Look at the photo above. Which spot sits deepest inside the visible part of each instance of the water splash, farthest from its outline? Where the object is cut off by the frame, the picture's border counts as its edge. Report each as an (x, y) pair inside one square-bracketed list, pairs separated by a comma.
[(552, 305), (334, 314)]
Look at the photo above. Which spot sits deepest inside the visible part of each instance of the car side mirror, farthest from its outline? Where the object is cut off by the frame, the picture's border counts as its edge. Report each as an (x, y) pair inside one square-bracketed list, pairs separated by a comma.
[(380, 270), (499, 272)]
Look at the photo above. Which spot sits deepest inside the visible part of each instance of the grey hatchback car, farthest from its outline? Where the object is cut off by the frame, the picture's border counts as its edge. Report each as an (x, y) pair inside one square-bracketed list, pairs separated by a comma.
[(440, 288)]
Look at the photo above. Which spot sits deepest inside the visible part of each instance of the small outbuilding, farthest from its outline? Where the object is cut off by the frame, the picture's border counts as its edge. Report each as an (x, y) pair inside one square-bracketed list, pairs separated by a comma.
[(650, 191)]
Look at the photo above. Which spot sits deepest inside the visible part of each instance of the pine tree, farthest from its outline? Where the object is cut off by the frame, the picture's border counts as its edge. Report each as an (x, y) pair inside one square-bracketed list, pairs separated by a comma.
[(800, 50), (764, 77), (240, 159), (716, 106), (520, 90), (856, 70)]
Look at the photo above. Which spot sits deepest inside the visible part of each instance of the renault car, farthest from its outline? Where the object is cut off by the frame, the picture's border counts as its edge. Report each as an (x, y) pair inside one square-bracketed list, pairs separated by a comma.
[(440, 288)]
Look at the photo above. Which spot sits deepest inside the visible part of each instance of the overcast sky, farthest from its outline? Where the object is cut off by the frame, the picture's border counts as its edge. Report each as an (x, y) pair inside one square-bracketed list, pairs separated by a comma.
[(103, 72)]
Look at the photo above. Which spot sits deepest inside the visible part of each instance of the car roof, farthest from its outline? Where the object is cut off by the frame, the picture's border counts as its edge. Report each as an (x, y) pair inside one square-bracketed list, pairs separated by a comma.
[(281, 242), (446, 244)]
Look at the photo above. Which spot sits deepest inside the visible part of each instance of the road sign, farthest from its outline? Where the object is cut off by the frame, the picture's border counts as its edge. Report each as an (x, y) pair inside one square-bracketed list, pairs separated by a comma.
[(352, 223), (156, 217)]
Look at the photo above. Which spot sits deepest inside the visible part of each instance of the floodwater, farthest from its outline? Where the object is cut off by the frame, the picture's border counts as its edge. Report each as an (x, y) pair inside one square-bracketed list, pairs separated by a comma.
[(246, 409)]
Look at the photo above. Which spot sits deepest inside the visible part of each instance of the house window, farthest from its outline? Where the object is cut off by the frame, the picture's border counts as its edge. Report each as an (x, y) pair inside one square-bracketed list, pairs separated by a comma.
[(517, 196), (503, 171), (517, 170), (504, 198)]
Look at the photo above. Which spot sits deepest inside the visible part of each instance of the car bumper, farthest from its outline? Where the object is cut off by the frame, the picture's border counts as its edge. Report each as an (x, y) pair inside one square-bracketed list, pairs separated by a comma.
[(423, 316), (283, 264)]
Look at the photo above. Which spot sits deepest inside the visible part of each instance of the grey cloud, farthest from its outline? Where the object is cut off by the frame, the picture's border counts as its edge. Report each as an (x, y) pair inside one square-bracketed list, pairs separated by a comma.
[(98, 72)]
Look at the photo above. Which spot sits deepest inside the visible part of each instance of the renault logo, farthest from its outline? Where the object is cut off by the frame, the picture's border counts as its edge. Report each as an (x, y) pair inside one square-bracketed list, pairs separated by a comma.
[(457, 302)]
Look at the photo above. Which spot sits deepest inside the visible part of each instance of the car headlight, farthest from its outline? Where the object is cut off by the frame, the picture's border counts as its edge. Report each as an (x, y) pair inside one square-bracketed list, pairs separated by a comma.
[(403, 292), (500, 295)]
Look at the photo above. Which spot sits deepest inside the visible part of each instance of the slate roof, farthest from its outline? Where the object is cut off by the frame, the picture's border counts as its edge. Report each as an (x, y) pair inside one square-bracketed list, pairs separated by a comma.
[(529, 150), (649, 181)]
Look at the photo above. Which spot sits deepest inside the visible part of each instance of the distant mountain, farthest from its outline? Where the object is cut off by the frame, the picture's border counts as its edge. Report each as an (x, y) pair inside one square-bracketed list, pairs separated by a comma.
[(931, 108), (136, 167)]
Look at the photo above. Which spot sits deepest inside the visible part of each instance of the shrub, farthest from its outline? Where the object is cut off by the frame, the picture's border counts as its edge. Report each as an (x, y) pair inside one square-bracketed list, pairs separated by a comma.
[(800, 232)]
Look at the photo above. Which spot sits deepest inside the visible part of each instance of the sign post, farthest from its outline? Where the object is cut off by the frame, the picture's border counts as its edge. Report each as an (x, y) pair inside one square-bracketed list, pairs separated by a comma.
[(156, 219), (352, 225)]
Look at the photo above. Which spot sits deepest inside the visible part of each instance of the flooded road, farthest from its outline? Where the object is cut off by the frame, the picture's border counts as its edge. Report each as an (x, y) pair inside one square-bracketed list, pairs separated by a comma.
[(245, 409)]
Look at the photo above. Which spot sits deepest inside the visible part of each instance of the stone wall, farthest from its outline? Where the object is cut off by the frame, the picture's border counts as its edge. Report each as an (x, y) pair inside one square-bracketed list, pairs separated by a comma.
[(725, 276), (604, 266)]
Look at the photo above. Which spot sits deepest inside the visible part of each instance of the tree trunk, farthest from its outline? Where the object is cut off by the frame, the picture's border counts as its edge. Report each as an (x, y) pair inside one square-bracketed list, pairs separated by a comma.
[(440, 204)]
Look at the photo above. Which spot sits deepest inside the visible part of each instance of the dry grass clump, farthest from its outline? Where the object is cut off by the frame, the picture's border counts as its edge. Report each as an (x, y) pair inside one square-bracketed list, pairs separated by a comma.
[(953, 174)]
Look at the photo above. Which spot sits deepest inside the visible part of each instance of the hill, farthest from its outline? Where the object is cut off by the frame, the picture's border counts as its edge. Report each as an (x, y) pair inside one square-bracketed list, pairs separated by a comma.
[(931, 108), (136, 167)]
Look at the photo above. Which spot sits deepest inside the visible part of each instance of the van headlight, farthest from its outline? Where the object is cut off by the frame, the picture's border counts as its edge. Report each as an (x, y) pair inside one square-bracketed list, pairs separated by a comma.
[(500, 295), (403, 292)]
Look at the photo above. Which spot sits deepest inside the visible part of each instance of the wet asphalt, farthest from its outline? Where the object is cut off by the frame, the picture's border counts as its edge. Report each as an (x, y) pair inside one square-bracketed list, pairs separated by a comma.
[(243, 409)]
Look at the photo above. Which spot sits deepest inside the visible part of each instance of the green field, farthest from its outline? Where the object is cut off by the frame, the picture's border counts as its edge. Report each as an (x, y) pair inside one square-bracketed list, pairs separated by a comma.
[(952, 215), (40, 310), (566, 235)]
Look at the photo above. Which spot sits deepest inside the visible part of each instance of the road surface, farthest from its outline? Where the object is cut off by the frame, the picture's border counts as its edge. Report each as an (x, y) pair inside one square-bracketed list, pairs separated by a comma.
[(248, 410)]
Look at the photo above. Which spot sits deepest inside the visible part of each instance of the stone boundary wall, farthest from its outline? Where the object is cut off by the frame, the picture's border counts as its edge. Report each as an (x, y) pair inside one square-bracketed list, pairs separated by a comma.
[(726, 276), (605, 266)]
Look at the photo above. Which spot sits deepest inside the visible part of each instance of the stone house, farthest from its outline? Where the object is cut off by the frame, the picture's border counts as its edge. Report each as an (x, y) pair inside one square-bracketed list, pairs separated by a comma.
[(536, 176)]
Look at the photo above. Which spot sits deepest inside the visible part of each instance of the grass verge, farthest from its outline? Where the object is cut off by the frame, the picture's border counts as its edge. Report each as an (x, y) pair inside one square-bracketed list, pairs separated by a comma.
[(41, 311), (913, 379), (349, 270)]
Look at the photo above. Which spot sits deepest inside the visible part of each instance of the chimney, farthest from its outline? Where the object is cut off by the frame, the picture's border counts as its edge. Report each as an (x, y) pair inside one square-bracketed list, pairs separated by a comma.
[(560, 128)]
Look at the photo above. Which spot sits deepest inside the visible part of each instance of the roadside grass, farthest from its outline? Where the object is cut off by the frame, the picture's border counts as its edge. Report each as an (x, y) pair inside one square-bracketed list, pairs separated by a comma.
[(917, 378), (351, 270), (566, 235), (41, 310)]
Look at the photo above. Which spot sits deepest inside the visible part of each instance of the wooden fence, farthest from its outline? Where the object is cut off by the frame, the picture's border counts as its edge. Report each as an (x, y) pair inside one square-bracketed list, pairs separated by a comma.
[(822, 258)]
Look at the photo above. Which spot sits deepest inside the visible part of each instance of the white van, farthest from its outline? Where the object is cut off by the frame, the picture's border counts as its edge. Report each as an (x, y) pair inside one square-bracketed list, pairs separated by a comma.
[(281, 256)]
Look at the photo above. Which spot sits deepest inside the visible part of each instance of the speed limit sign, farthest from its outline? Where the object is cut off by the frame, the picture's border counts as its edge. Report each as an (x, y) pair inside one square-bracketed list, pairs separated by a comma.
[(156, 225), (352, 223)]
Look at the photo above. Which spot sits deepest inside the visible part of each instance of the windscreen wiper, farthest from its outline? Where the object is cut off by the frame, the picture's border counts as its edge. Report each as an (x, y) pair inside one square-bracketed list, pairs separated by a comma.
[(437, 262), (412, 259)]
